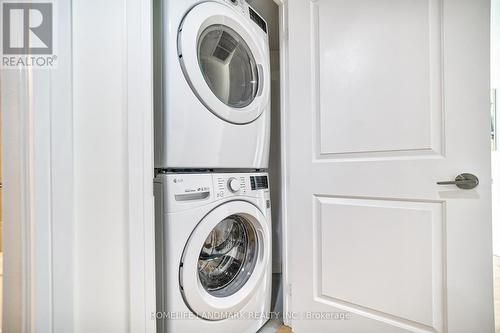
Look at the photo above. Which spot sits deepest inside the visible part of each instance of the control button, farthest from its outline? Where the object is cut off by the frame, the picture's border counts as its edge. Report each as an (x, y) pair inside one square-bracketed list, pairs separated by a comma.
[(233, 184)]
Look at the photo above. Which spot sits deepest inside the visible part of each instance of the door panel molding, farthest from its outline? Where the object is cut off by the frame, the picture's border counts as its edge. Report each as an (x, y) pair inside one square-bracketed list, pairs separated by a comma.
[(351, 114), (422, 286)]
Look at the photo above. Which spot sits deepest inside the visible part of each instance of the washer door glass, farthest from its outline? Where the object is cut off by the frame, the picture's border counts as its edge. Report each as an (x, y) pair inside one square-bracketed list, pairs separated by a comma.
[(228, 256), (228, 66)]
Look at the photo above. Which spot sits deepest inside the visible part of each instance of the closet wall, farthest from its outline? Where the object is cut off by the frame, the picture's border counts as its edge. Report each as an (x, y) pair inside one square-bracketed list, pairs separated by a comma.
[(269, 11)]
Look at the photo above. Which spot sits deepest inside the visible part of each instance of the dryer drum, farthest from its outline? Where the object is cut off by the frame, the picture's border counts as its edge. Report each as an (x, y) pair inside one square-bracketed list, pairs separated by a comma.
[(228, 256), (228, 66)]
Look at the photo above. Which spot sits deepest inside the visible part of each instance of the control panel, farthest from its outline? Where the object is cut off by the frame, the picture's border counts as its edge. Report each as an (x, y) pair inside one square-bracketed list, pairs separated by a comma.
[(188, 188), (243, 7), (230, 184), (185, 191), (196, 187), (239, 5), (257, 19)]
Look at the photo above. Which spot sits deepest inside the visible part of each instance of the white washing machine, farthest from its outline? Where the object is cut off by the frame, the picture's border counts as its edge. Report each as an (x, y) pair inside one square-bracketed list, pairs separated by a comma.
[(215, 89), (213, 252)]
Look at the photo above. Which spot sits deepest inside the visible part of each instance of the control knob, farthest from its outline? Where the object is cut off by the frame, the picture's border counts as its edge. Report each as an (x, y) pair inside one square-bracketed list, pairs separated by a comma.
[(233, 184)]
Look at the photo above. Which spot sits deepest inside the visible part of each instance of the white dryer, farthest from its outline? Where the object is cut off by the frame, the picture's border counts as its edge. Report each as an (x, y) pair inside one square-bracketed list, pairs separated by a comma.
[(214, 110), (213, 252)]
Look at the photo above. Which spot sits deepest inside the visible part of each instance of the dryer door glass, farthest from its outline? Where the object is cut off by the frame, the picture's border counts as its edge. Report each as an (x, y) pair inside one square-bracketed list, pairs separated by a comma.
[(228, 256), (228, 66)]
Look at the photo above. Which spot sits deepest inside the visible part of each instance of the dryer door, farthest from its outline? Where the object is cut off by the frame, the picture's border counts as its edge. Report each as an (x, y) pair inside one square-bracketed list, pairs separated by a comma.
[(225, 61), (224, 260)]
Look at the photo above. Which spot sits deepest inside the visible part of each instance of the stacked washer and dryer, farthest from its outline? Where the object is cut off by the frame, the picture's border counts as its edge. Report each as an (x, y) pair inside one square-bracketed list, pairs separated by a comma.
[(212, 133)]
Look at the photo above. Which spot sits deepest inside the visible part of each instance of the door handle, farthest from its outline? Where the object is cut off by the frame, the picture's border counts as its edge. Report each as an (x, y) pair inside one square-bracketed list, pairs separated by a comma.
[(465, 181), (260, 75)]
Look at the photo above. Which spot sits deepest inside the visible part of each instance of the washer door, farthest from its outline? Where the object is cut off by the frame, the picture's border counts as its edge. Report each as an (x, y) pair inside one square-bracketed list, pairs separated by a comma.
[(224, 260), (223, 63)]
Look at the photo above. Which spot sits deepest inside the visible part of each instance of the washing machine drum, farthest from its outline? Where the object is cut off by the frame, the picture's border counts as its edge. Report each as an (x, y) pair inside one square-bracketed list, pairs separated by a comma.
[(224, 63), (224, 260)]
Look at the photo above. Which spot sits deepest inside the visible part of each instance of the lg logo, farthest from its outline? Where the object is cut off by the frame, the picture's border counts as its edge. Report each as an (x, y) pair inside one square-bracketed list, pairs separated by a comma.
[(27, 28)]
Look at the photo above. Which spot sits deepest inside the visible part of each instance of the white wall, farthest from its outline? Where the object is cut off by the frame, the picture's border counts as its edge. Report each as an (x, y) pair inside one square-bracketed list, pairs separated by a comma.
[(78, 183), (99, 55), (13, 126), (275, 162), (37, 133), (113, 166), (495, 84)]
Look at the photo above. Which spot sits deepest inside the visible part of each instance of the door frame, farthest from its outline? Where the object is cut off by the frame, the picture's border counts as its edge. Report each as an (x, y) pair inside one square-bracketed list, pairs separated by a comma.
[(139, 105), (284, 101)]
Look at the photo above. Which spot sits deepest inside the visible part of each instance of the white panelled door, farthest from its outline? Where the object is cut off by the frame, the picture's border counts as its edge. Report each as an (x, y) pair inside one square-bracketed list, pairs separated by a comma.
[(386, 98)]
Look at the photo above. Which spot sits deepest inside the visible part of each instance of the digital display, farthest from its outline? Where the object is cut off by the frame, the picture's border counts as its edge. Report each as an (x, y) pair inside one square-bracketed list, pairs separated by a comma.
[(258, 20), (259, 182)]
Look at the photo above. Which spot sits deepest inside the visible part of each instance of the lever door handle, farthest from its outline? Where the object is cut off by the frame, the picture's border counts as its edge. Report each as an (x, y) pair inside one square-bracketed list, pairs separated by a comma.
[(465, 181)]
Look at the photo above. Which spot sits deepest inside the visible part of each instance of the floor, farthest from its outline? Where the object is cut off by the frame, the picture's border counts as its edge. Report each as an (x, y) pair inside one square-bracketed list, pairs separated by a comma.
[(1, 288), (275, 326), (284, 329), (496, 265)]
